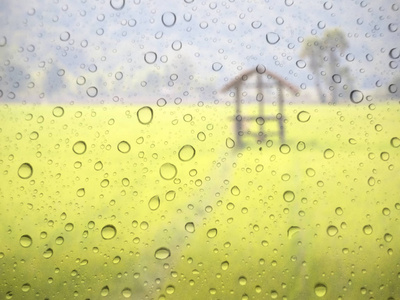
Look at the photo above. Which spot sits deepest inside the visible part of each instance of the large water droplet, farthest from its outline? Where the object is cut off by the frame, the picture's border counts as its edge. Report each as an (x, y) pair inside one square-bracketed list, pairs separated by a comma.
[(124, 147), (48, 253), (284, 149), (58, 111), (320, 290), (104, 291), (168, 171), (168, 19), (25, 171), (288, 196), (212, 233), (150, 57), (126, 292), (108, 232), (79, 147), (367, 229), (170, 195), (186, 153), (229, 143), (235, 191), (292, 231), (117, 4), (92, 91), (272, 38), (332, 230), (356, 96), (162, 253), (225, 265), (303, 116), (395, 142), (25, 241), (145, 115), (329, 153), (189, 227), (154, 203)]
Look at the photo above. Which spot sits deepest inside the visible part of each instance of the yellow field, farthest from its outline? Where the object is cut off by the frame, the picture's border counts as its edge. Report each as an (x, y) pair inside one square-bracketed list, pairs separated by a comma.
[(132, 202)]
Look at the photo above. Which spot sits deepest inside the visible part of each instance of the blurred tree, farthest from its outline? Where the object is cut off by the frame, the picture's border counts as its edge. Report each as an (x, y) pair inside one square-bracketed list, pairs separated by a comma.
[(313, 51), (322, 51)]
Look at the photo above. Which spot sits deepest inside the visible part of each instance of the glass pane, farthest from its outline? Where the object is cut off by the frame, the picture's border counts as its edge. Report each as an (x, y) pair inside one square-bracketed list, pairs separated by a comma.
[(199, 149)]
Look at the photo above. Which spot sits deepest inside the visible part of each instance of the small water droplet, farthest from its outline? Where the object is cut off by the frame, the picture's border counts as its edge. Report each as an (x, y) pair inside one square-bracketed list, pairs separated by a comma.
[(242, 280), (25, 171), (145, 115), (303, 116), (64, 36), (288, 196), (201, 136), (284, 149), (126, 292), (395, 142), (229, 143), (216, 66), (225, 265), (272, 38), (154, 203), (256, 24), (212, 233), (25, 241), (388, 237), (104, 291), (170, 195), (92, 91), (301, 146), (189, 227), (80, 192), (98, 166), (108, 232), (26, 287), (320, 290), (79, 147), (124, 147), (186, 153), (168, 171), (162, 253)]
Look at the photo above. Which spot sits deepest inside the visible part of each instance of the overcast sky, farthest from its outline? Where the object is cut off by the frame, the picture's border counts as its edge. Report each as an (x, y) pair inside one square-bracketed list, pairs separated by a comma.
[(57, 51)]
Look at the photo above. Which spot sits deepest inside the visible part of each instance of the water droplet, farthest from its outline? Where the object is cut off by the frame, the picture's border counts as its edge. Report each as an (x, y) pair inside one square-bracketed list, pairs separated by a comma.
[(126, 293), (150, 57), (92, 91), (301, 146), (145, 115), (162, 253), (58, 111), (320, 290), (25, 241), (288, 196), (301, 64), (292, 231), (98, 166), (34, 135), (124, 147), (170, 195), (272, 38), (356, 96), (25, 171), (79, 147), (3, 41), (395, 142), (394, 53), (108, 232), (117, 4), (170, 289), (261, 69), (371, 181), (64, 36), (242, 280), (168, 19), (339, 211), (303, 116), (186, 153), (367, 229), (235, 191), (212, 233), (310, 172), (336, 78), (284, 149), (69, 227), (104, 291), (332, 230), (216, 66), (154, 203), (59, 240), (329, 153), (26, 287), (201, 136), (80, 192), (256, 24), (176, 45), (229, 143), (48, 253), (189, 227), (168, 171), (388, 237)]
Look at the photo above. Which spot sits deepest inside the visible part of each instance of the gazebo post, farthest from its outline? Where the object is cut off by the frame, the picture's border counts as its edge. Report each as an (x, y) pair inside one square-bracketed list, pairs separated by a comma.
[(281, 119), (238, 118)]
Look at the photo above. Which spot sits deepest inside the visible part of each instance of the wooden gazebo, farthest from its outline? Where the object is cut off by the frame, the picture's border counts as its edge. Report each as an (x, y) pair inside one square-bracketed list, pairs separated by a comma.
[(265, 79)]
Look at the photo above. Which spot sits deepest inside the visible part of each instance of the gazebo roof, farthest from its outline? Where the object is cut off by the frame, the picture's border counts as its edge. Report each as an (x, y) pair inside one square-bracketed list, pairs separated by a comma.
[(239, 80)]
